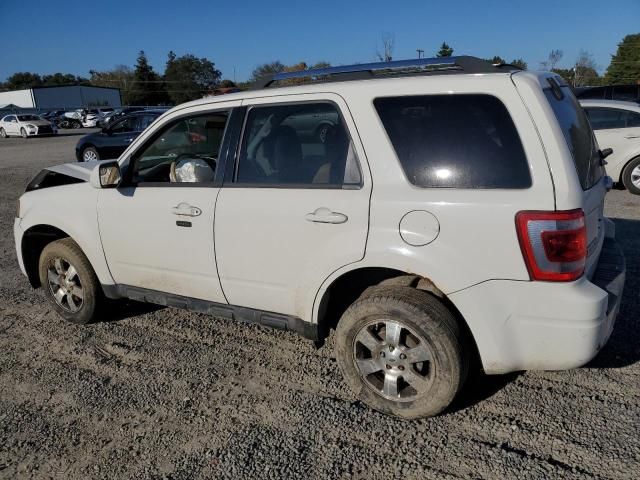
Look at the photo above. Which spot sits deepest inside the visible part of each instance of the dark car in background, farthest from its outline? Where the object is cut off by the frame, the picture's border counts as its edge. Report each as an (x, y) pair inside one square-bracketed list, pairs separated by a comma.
[(114, 139), (626, 93)]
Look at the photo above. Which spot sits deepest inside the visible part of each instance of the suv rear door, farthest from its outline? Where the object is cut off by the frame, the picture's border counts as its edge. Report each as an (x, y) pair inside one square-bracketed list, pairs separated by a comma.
[(294, 208), (573, 155)]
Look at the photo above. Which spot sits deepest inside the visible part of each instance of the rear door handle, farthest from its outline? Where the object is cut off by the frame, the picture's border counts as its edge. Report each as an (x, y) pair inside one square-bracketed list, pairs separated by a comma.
[(186, 210), (629, 137), (324, 215)]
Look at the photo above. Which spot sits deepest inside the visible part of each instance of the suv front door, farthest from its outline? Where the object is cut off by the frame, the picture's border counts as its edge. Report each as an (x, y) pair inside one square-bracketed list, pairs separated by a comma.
[(157, 227), (294, 209)]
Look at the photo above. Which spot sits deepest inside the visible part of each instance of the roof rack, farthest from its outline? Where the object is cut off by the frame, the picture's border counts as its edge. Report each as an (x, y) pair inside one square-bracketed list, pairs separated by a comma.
[(461, 64)]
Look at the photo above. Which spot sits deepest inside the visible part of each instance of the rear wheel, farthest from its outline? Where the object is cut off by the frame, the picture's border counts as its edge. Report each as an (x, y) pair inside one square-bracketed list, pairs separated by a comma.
[(23, 133), (3, 134), (69, 281), (90, 154), (631, 176), (400, 350)]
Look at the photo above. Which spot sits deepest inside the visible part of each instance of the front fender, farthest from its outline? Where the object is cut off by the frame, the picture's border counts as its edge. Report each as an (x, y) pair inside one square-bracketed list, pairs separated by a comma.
[(72, 209)]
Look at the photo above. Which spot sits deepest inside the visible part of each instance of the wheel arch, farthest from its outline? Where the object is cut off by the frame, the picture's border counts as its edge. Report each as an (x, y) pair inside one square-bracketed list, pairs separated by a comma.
[(623, 169), (34, 240), (350, 285)]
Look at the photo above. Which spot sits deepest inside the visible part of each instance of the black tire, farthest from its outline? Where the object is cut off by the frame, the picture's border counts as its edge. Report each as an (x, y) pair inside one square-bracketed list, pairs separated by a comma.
[(23, 133), (423, 318), (626, 176), (90, 150), (3, 134), (76, 124), (70, 254)]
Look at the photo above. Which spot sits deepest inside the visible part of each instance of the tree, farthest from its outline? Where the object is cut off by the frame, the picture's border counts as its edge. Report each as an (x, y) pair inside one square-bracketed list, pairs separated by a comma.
[(22, 80), (189, 77), (520, 63), (267, 69), (625, 64), (148, 87), (445, 50), (121, 77), (496, 60), (552, 60), (62, 79), (388, 46), (585, 70), (226, 83)]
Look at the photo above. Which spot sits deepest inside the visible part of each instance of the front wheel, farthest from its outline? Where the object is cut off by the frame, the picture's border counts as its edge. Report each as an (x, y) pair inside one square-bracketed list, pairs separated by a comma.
[(90, 154), (401, 351), (631, 176), (69, 281), (23, 133)]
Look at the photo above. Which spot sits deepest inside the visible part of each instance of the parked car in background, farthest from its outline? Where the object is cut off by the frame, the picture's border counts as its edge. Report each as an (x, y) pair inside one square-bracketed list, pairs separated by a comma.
[(617, 126), (116, 114), (113, 139), (628, 93), (27, 125)]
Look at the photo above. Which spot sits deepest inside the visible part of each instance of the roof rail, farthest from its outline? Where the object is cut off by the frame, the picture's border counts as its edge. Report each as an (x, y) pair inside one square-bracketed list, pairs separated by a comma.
[(462, 64)]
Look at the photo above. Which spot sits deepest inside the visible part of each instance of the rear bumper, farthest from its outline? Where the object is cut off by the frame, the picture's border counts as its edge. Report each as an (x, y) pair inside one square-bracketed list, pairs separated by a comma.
[(544, 325)]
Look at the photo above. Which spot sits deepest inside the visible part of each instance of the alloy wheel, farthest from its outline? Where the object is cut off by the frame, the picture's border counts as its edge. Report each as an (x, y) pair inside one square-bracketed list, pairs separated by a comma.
[(89, 155), (635, 176), (393, 360), (64, 284)]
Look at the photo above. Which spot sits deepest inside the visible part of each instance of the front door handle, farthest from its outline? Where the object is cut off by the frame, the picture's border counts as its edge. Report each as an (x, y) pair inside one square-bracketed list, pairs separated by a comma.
[(186, 210), (324, 215), (629, 137)]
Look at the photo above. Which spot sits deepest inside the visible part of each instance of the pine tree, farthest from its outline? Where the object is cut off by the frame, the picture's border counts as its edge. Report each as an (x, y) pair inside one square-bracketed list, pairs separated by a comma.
[(148, 87), (445, 50), (625, 64)]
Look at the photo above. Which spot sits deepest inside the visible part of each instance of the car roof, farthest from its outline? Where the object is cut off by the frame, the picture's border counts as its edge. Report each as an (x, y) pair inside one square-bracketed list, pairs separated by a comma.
[(589, 102)]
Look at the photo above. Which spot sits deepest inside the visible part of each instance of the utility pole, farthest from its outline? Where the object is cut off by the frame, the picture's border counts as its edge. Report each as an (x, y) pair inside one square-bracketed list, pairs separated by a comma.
[(420, 52)]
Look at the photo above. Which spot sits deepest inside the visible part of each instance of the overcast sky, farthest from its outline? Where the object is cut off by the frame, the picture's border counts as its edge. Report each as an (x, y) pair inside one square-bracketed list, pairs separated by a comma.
[(77, 36)]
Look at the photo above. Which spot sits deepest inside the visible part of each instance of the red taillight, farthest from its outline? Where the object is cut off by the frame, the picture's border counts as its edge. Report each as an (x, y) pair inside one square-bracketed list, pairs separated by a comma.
[(554, 244)]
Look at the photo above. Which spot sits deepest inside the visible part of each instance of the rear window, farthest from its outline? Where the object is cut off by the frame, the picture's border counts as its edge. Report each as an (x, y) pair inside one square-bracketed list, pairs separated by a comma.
[(455, 141), (577, 133)]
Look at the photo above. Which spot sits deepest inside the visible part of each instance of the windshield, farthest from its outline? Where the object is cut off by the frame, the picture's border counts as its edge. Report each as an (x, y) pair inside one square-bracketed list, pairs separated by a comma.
[(28, 118)]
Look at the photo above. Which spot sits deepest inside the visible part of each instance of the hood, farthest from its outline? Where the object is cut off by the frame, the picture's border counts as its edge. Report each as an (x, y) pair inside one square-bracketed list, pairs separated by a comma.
[(79, 170), (40, 123)]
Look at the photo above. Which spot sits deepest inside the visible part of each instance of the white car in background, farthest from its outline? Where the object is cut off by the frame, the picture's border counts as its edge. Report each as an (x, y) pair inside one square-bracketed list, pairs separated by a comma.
[(26, 125), (616, 125)]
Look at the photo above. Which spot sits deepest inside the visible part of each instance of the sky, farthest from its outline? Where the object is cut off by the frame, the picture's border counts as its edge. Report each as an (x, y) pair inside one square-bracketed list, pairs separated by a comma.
[(72, 36)]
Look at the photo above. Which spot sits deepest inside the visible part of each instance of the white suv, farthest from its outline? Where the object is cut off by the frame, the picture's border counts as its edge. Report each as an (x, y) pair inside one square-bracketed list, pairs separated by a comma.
[(432, 211)]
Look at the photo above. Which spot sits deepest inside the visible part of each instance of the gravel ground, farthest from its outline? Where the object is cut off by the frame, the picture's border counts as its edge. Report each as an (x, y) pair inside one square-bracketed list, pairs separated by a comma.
[(170, 394)]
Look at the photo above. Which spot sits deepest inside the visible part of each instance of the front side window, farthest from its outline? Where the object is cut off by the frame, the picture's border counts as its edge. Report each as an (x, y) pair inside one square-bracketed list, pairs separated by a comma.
[(184, 152), (297, 145), (577, 133), (455, 141), (607, 118)]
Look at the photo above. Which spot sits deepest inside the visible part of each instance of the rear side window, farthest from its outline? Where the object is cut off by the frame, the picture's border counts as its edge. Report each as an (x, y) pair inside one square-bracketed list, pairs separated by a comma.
[(577, 133), (456, 141), (606, 118)]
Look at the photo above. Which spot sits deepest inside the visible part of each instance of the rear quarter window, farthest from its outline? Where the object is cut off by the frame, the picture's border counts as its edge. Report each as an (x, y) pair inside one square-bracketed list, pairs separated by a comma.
[(455, 141), (578, 134)]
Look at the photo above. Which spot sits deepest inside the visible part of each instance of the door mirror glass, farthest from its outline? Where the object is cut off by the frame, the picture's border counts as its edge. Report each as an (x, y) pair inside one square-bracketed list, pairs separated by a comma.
[(106, 175)]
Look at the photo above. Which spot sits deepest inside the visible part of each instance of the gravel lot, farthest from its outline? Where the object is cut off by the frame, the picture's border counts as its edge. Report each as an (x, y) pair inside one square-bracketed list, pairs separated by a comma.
[(170, 394)]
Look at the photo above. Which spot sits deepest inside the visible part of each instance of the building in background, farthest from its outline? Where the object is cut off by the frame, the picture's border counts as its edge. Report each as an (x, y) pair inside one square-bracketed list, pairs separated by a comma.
[(61, 98)]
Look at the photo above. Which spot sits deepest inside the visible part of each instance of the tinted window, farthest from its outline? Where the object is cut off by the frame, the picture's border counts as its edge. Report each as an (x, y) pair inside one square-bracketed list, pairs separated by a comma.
[(606, 118), (144, 121), (304, 144), (186, 151), (459, 141), (125, 125), (578, 135), (633, 119), (592, 92)]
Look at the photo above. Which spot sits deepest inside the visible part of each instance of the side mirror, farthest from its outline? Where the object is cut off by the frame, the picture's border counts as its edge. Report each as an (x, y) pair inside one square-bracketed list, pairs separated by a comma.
[(606, 152), (106, 175)]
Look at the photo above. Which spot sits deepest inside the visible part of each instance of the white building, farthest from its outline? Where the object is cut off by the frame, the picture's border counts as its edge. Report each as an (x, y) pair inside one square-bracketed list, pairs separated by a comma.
[(62, 97)]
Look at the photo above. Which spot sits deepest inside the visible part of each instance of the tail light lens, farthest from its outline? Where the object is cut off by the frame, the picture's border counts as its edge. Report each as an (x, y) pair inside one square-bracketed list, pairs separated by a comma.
[(554, 244)]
